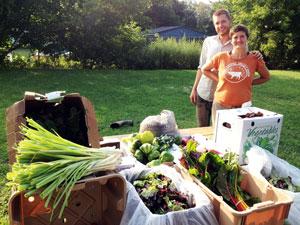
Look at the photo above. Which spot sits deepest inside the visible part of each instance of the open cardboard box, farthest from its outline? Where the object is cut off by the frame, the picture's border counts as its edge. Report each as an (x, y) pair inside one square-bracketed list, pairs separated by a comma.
[(238, 134), (95, 200), (33, 105), (272, 210)]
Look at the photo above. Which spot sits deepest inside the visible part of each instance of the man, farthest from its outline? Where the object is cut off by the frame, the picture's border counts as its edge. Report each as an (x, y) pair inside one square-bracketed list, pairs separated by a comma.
[(202, 94)]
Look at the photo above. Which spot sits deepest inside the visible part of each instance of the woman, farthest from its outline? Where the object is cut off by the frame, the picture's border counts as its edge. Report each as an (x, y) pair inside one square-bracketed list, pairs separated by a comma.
[(236, 71)]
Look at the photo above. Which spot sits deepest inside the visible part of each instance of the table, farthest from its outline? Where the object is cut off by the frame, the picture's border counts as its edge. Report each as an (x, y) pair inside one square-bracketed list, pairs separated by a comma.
[(205, 131)]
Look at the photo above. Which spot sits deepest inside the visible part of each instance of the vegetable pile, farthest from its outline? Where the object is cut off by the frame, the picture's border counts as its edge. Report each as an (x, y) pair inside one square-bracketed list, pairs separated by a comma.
[(159, 194), (219, 174), (48, 163), (252, 114), (65, 118), (151, 150), (284, 183)]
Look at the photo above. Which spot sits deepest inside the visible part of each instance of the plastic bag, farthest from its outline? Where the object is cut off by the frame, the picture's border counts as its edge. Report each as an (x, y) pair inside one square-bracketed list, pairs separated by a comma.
[(262, 163), (137, 213), (204, 144), (160, 124)]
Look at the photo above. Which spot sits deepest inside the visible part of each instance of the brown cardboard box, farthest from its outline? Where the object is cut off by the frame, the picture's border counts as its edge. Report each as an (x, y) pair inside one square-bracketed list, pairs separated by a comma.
[(97, 200), (31, 105), (272, 210)]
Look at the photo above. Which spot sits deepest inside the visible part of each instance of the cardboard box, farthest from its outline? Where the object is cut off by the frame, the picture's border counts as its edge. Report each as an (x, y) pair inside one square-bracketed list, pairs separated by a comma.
[(32, 105), (273, 209), (238, 134), (99, 200)]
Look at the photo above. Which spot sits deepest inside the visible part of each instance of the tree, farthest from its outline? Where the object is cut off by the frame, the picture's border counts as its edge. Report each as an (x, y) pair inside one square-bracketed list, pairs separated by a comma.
[(94, 35), (31, 22), (204, 19), (274, 28), (162, 13), (87, 28)]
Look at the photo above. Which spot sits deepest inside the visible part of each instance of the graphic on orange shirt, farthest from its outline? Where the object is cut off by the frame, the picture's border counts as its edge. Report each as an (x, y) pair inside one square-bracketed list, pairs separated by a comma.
[(236, 72)]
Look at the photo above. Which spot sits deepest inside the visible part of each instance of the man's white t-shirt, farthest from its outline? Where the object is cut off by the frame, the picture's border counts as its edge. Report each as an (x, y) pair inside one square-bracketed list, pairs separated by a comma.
[(211, 46)]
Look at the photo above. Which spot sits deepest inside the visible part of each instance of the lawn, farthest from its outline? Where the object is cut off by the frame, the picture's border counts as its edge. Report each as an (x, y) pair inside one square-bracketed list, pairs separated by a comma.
[(134, 95)]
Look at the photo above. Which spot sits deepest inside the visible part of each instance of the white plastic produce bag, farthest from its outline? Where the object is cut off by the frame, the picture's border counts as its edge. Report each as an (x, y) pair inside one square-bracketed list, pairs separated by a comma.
[(164, 123), (136, 213), (262, 163)]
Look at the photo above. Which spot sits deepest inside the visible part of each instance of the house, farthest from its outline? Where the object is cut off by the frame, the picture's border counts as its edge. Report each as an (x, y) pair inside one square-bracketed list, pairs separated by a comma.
[(177, 32)]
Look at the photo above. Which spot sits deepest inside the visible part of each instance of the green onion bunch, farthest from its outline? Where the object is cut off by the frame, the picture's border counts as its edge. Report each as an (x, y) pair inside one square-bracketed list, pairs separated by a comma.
[(48, 163)]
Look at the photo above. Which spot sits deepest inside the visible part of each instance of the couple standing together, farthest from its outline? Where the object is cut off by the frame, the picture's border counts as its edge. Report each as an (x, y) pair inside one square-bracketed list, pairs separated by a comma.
[(226, 70)]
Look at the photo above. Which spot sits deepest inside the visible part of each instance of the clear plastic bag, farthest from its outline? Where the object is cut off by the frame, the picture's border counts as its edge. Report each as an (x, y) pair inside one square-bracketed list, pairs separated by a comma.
[(137, 213), (262, 163)]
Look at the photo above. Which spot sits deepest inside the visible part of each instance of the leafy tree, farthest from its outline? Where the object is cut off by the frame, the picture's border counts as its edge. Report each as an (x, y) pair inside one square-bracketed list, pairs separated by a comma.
[(87, 28), (31, 22), (94, 35), (274, 28), (204, 19), (162, 13), (188, 15)]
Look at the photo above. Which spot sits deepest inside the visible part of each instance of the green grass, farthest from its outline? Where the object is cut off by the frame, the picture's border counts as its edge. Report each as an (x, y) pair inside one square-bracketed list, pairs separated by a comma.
[(134, 95)]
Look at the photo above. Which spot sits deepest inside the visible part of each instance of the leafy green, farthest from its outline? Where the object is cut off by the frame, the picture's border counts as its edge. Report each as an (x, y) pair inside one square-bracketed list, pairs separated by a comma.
[(221, 183), (194, 171), (220, 174), (285, 183), (159, 194), (191, 146)]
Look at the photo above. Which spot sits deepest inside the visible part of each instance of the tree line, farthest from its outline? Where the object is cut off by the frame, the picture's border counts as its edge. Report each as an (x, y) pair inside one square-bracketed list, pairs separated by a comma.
[(110, 32), (102, 32)]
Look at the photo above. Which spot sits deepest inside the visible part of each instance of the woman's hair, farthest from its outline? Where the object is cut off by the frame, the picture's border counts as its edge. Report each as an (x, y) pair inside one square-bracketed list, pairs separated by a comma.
[(220, 12), (237, 28)]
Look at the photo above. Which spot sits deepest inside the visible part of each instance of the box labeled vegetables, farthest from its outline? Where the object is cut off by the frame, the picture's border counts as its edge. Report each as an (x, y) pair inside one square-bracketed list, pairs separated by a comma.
[(73, 118), (239, 129)]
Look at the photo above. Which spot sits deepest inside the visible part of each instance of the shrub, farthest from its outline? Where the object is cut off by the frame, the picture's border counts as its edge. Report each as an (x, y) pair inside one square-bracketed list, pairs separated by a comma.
[(128, 51), (170, 54)]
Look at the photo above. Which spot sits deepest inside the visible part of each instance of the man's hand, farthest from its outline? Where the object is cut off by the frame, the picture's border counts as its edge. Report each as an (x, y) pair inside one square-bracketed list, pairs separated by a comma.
[(257, 54), (193, 97)]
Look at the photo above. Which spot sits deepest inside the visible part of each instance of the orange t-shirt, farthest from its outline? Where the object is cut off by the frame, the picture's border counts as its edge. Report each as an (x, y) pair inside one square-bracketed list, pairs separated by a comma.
[(235, 78)]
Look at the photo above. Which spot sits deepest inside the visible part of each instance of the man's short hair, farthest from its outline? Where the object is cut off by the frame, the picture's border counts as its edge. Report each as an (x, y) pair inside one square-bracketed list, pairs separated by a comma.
[(237, 28), (220, 12)]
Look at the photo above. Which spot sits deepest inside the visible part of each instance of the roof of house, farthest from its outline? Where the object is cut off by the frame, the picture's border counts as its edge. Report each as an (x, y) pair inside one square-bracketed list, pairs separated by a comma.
[(162, 29), (177, 32)]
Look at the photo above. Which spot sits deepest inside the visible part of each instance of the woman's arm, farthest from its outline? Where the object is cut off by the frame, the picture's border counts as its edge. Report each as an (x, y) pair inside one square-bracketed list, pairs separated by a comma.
[(264, 75), (206, 70)]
